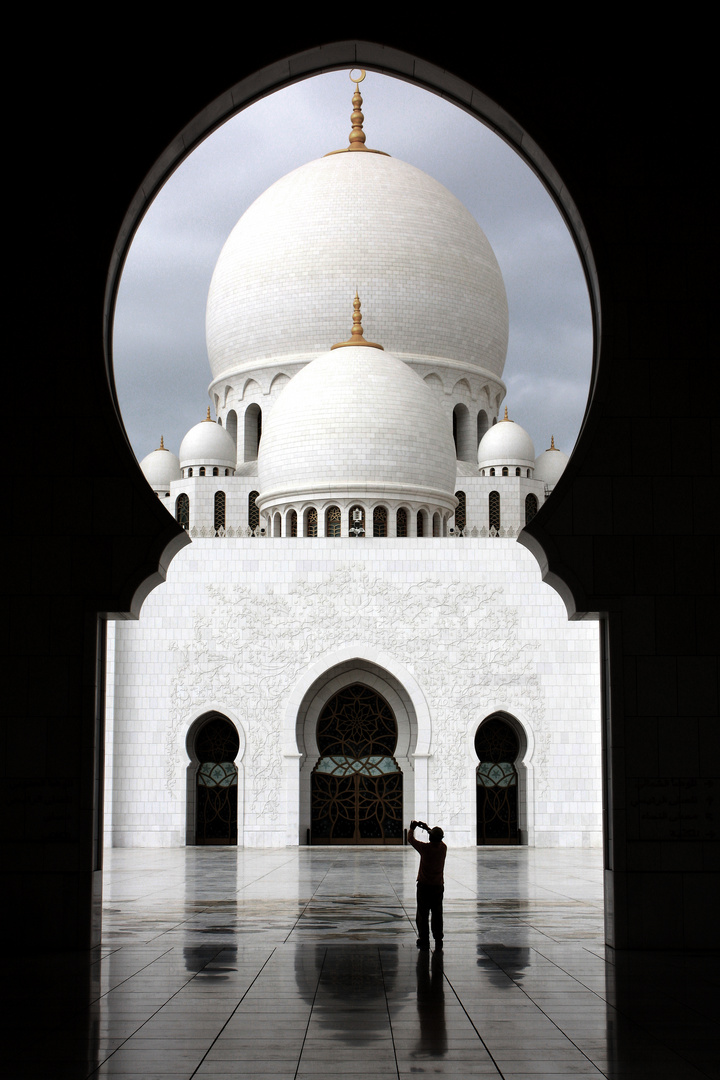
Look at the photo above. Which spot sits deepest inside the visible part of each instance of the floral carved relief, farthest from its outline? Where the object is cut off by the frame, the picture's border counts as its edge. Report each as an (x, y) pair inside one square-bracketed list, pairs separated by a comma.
[(251, 642)]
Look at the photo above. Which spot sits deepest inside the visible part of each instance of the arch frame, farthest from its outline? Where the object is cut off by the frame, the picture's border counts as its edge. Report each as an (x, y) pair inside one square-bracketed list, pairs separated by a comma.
[(368, 666), (372, 56), (523, 763), (185, 745)]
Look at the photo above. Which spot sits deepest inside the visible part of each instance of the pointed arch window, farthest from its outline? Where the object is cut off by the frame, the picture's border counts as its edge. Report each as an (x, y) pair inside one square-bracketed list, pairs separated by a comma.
[(380, 521), (401, 522), (531, 508), (460, 510), (253, 512), (219, 511), (494, 510), (182, 510)]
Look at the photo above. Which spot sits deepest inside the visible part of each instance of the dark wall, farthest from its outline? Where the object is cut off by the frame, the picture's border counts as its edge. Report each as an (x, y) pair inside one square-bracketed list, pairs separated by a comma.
[(628, 533)]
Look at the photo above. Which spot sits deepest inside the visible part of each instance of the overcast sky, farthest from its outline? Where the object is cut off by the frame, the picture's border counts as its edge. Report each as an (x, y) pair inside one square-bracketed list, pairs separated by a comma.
[(161, 367)]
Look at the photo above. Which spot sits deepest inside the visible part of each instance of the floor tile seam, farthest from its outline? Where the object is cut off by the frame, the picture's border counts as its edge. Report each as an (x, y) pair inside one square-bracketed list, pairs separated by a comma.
[(149, 964), (556, 965), (147, 1018), (237, 1006), (564, 1033), (309, 1019), (472, 1024), (389, 1015), (305, 907)]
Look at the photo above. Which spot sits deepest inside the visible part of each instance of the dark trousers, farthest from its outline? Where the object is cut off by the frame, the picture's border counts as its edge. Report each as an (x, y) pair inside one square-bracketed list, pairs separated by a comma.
[(429, 903)]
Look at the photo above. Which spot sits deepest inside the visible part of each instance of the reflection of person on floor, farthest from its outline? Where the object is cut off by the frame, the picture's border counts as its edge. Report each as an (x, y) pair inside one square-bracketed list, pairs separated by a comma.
[(432, 1040), (430, 884)]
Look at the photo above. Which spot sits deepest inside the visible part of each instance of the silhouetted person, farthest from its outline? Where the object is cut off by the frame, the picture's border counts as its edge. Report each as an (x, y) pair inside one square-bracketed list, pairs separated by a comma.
[(430, 884)]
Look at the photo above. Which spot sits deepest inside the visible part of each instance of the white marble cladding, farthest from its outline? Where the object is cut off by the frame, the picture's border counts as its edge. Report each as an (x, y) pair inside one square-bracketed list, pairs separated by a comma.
[(428, 279), (249, 628), (513, 491)]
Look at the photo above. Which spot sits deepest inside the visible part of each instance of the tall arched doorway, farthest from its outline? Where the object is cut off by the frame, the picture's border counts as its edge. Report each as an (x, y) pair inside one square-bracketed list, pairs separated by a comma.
[(497, 747), (215, 746), (356, 785)]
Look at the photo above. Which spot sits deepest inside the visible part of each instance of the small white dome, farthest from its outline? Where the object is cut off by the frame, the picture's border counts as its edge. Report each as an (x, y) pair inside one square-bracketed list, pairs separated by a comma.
[(160, 468), (207, 444), (550, 465), (357, 422), (506, 443)]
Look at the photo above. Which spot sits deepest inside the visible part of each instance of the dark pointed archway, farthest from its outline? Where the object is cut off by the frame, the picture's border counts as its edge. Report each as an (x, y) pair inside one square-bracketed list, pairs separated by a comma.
[(357, 784), (497, 788)]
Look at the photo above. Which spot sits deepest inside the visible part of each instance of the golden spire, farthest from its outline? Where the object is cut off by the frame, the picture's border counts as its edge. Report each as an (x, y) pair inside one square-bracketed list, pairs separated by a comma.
[(162, 445), (207, 419), (506, 418), (357, 135), (356, 336), (552, 443)]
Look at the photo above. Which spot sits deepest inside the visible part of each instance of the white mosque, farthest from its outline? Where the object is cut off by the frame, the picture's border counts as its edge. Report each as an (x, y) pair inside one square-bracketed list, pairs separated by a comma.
[(354, 636)]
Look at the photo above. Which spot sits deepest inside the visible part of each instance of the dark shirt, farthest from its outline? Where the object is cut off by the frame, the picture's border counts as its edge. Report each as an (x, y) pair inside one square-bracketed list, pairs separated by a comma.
[(432, 860)]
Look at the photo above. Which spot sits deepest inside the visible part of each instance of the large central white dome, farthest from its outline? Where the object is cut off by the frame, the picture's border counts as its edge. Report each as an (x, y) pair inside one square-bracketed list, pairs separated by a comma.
[(357, 221)]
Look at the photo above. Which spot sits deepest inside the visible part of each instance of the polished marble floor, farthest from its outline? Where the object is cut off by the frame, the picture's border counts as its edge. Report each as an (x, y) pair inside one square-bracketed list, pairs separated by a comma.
[(302, 963)]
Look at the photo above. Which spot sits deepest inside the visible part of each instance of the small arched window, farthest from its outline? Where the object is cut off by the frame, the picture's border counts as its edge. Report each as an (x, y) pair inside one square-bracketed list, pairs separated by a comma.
[(437, 524), (401, 522), (505, 471), (420, 523), (356, 521), (492, 472), (380, 521), (332, 521), (216, 471), (494, 509), (253, 512), (201, 470), (182, 510), (292, 523), (517, 471), (219, 515), (189, 472), (277, 525), (253, 431), (311, 522), (531, 508), (460, 510)]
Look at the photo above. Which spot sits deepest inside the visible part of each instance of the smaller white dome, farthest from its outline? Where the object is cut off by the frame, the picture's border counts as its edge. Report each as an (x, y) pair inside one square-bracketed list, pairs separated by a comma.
[(550, 465), (207, 444), (506, 443), (160, 468)]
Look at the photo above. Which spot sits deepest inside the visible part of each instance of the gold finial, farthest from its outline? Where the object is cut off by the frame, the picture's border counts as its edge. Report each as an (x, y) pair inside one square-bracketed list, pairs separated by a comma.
[(356, 335), (357, 135), (162, 445), (552, 443), (506, 417), (207, 419)]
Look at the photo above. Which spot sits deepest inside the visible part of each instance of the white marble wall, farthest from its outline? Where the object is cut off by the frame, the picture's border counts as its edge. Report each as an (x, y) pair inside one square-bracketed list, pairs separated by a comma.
[(246, 627)]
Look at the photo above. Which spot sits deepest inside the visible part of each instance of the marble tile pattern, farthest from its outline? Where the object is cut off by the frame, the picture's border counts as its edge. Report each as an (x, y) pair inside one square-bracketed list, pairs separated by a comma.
[(302, 963), (465, 627)]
